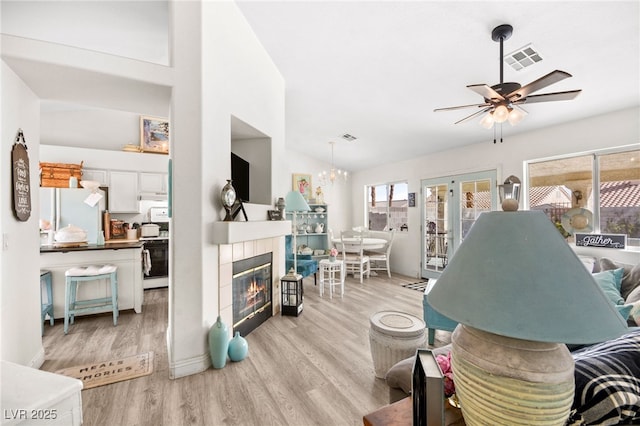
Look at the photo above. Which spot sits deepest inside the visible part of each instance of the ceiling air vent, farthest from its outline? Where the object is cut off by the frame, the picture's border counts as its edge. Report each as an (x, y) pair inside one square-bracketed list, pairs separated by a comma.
[(522, 58), (348, 137)]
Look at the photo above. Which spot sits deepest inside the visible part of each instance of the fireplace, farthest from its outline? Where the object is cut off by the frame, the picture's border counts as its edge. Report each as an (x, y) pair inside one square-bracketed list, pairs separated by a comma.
[(252, 292)]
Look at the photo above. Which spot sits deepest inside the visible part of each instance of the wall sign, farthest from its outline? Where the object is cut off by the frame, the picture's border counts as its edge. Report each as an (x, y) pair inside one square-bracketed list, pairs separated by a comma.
[(617, 241), (21, 187)]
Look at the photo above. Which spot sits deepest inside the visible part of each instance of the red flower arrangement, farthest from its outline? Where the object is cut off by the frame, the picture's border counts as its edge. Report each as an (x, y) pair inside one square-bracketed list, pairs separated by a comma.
[(444, 361)]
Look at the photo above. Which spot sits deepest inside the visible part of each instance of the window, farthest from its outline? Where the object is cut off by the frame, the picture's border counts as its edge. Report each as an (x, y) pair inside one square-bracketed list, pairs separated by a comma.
[(559, 185), (387, 207)]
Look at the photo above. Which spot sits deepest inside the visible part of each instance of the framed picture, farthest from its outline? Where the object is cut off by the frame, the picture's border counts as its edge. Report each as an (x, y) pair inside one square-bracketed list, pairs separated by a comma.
[(302, 183), (412, 199), (154, 134)]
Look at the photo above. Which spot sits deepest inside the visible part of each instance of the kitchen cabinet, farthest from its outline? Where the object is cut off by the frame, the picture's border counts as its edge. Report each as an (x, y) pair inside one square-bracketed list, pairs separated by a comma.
[(128, 261), (313, 229), (153, 183), (98, 175), (123, 192)]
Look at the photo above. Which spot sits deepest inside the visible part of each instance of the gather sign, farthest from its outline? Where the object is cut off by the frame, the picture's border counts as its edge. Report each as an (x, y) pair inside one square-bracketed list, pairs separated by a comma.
[(617, 241)]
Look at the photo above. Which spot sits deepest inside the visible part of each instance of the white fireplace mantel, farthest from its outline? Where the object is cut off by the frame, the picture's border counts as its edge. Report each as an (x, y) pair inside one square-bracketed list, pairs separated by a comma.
[(236, 232)]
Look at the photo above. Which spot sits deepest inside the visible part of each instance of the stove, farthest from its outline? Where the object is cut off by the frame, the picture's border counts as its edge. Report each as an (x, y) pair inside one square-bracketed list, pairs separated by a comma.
[(155, 261)]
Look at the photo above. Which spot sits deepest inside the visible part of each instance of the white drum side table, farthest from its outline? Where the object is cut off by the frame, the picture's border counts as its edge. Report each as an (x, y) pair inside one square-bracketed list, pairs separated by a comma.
[(393, 337), (328, 271)]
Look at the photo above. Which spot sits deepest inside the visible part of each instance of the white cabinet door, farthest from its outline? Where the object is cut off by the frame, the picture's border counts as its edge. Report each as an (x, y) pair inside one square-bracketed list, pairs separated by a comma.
[(123, 192), (153, 183), (97, 175)]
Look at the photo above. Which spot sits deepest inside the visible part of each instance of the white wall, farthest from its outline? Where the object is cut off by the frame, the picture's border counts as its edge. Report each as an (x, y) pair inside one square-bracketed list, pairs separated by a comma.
[(20, 290), (605, 131)]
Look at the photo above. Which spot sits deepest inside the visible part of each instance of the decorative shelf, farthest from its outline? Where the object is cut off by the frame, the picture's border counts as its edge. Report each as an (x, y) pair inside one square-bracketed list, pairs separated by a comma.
[(237, 232)]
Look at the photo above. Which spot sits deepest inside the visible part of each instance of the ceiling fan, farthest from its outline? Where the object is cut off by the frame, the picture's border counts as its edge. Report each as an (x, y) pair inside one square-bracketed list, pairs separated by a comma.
[(502, 101)]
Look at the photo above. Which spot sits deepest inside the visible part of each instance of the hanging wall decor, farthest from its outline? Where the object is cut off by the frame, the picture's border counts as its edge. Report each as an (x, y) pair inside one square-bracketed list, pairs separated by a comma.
[(20, 182)]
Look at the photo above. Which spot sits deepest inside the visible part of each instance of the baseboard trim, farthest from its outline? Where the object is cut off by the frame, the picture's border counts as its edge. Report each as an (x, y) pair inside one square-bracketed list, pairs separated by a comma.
[(185, 367), (38, 359)]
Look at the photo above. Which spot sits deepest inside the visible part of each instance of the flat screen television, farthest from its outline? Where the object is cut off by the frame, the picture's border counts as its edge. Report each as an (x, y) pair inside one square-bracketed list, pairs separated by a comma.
[(240, 176)]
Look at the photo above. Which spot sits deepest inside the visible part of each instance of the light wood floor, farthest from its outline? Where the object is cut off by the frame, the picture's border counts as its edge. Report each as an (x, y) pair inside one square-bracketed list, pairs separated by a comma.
[(315, 369)]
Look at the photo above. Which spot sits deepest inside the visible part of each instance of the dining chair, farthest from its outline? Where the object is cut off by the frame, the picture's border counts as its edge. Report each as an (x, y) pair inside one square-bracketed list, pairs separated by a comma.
[(379, 258), (355, 261)]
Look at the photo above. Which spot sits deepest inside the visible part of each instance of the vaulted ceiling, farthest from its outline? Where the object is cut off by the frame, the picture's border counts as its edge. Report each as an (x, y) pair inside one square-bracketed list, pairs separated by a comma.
[(377, 70)]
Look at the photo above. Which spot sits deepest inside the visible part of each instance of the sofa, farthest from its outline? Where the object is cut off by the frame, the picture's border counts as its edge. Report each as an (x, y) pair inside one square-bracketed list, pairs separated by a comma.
[(607, 374)]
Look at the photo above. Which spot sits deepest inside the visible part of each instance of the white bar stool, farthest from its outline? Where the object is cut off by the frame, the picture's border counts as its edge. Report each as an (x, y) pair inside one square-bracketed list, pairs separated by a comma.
[(81, 274), (328, 270)]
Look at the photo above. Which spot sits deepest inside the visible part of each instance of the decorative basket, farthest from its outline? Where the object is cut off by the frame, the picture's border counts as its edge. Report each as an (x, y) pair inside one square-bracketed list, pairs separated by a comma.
[(56, 175)]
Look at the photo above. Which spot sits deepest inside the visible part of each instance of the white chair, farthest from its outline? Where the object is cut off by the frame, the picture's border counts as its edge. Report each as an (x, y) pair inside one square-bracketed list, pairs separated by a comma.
[(355, 261), (379, 258)]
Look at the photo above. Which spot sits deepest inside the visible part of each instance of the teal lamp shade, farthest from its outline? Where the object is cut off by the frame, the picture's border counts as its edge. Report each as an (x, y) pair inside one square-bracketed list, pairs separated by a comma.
[(295, 202), (515, 276)]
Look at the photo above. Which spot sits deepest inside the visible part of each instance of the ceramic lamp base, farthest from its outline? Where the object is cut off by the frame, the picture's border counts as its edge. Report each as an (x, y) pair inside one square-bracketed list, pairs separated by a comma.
[(506, 381)]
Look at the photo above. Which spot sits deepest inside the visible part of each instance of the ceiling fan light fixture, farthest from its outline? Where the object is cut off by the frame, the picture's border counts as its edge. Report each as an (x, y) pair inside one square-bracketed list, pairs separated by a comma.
[(487, 121), (500, 114), (516, 115)]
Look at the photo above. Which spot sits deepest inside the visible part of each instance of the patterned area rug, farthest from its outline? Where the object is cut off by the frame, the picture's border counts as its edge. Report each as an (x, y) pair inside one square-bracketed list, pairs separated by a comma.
[(107, 372), (420, 286)]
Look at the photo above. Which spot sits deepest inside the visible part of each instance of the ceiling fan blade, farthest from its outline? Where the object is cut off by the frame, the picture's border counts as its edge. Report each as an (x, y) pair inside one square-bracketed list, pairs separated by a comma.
[(475, 114), (461, 107), (486, 91), (549, 97), (542, 82)]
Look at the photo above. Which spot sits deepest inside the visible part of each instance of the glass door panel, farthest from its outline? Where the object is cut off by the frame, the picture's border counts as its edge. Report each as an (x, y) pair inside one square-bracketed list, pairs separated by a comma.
[(451, 206), (436, 226)]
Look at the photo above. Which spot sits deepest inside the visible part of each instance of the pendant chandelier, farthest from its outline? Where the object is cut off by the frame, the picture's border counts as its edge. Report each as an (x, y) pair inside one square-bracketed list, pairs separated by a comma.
[(328, 177)]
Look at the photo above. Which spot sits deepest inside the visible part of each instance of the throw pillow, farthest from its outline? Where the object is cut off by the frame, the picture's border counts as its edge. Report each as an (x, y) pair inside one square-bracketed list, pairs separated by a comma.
[(624, 311), (606, 379), (634, 296), (630, 281), (610, 281), (399, 376), (634, 315), (630, 277)]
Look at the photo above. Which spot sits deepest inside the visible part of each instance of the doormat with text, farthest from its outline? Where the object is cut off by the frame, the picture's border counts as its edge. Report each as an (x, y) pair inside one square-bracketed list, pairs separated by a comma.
[(420, 286), (112, 371)]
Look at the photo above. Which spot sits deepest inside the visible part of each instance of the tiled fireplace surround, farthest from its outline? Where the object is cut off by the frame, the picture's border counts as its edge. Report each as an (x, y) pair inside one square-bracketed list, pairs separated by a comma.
[(234, 246)]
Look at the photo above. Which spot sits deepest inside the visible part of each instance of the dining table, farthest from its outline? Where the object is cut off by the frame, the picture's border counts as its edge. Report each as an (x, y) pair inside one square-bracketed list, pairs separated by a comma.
[(353, 243)]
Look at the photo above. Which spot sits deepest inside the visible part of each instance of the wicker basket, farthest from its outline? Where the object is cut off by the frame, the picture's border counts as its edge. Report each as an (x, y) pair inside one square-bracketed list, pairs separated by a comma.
[(56, 175)]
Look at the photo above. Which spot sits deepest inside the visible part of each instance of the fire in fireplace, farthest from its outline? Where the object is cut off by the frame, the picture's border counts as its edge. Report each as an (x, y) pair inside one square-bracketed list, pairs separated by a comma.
[(252, 292)]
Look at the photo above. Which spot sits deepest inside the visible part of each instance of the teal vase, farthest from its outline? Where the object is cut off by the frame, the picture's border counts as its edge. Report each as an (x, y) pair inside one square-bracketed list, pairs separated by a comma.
[(218, 343), (238, 347)]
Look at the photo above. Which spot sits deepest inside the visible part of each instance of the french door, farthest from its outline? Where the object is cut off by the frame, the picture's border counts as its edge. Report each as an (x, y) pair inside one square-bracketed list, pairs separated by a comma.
[(451, 204)]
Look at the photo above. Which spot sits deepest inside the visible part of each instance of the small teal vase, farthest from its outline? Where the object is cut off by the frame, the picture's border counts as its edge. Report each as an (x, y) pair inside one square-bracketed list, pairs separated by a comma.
[(238, 347), (218, 343)]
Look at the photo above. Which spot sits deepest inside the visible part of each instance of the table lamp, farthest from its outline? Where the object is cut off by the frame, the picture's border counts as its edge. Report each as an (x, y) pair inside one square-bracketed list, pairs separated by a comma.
[(295, 203), (519, 293)]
